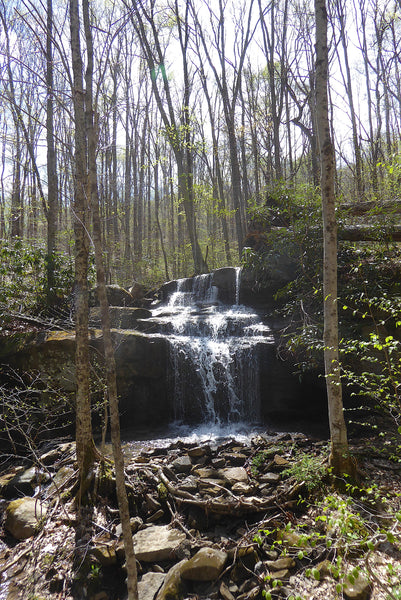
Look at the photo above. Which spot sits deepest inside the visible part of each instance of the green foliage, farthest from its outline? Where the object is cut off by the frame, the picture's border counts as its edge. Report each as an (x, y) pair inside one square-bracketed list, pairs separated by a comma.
[(23, 277), (308, 469)]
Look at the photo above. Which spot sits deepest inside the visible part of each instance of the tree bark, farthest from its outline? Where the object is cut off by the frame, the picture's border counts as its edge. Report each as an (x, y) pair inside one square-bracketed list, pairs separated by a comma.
[(339, 457), (84, 441), (105, 318)]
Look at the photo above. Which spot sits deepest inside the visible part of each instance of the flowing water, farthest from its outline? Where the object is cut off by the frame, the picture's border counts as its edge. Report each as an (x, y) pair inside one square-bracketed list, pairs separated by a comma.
[(214, 352)]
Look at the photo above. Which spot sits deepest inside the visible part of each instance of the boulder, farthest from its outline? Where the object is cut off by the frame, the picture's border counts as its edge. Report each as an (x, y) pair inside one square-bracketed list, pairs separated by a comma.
[(23, 517), (23, 482), (158, 542), (205, 565), (137, 290)]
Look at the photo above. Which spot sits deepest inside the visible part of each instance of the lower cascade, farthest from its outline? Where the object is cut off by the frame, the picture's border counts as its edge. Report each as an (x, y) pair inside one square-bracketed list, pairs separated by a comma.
[(214, 353)]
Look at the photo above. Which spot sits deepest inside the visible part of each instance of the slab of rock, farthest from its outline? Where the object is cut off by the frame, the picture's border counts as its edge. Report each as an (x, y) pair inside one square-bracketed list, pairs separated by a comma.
[(158, 542), (234, 474), (150, 585), (205, 565), (23, 517), (281, 563)]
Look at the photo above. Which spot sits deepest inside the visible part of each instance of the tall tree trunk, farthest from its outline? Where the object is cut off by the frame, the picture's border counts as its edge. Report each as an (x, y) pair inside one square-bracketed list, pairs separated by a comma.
[(85, 446), (339, 457), (105, 317)]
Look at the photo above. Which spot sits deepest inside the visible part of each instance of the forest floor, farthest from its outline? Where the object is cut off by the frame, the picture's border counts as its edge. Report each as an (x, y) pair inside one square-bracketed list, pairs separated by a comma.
[(267, 509)]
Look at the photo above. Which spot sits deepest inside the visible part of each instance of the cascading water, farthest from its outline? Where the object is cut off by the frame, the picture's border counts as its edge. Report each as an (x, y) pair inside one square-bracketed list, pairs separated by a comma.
[(214, 355)]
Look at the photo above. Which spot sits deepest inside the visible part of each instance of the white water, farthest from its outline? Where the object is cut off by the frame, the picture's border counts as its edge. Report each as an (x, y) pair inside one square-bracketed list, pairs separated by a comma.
[(215, 359)]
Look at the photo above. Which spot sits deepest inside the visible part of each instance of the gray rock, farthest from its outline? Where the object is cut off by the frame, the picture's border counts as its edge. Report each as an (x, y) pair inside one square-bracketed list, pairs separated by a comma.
[(157, 542), (23, 517), (150, 585), (205, 565)]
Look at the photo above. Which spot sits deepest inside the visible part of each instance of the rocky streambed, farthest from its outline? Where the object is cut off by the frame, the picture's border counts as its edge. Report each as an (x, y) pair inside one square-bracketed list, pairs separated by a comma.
[(228, 521)]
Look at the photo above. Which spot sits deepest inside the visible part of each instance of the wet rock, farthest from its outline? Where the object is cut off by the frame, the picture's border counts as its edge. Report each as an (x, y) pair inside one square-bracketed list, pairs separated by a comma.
[(172, 586), (359, 590), (205, 565), (234, 474), (23, 517), (182, 464), (157, 543), (149, 585)]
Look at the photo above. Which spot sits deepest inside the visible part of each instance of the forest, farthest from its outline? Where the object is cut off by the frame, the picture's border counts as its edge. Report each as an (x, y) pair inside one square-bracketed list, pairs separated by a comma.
[(189, 141)]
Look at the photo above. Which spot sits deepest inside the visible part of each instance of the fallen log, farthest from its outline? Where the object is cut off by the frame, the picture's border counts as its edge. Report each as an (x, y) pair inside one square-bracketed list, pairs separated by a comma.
[(375, 207), (370, 233)]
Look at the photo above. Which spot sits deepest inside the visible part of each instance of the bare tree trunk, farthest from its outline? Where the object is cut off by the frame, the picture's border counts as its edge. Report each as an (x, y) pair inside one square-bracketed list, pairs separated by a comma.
[(339, 457), (85, 446), (105, 317)]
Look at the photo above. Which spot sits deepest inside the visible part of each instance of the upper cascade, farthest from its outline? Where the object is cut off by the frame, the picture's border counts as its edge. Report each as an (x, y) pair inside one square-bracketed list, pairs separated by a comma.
[(213, 349)]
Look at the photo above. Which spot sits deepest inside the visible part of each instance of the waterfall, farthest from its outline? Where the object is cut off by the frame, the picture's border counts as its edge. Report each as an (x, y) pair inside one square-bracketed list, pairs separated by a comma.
[(214, 354)]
